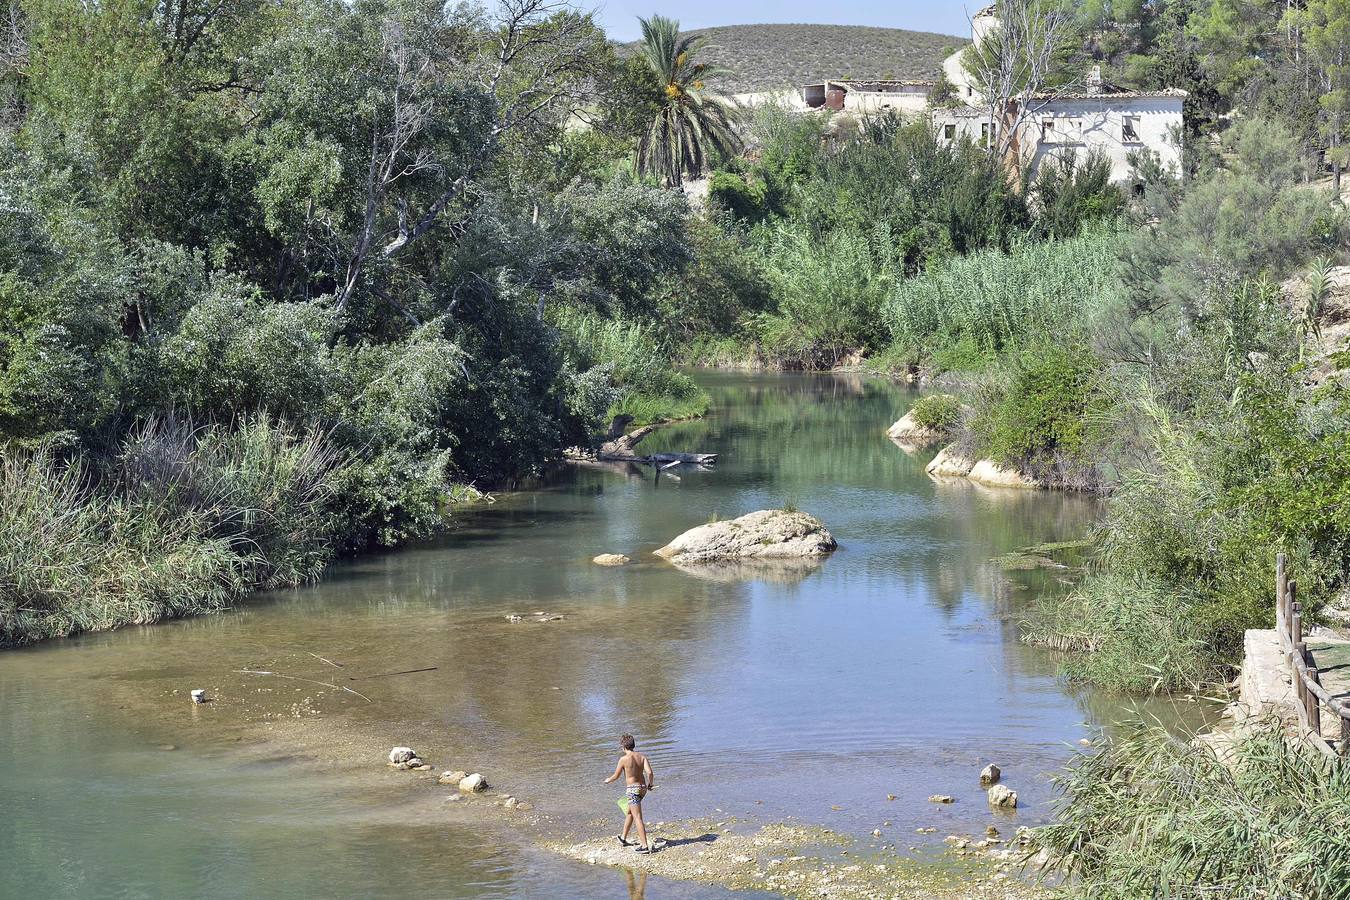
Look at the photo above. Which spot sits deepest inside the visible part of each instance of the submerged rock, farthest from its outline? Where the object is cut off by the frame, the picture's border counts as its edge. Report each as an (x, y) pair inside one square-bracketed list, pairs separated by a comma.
[(941, 798), (452, 777), (1001, 796), (990, 775), (950, 463), (766, 534), (611, 559)]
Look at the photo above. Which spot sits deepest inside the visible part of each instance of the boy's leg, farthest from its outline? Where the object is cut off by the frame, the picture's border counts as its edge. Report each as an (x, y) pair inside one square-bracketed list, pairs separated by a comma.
[(627, 822), (635, 810)]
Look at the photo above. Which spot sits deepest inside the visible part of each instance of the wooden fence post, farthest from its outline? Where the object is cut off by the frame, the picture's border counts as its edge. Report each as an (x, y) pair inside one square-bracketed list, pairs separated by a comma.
[(1311, 706), (1281, 593), (1295, 639)]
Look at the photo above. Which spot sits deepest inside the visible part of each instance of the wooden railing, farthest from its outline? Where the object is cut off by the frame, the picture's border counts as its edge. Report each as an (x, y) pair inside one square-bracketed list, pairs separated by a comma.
[(1309, 694)]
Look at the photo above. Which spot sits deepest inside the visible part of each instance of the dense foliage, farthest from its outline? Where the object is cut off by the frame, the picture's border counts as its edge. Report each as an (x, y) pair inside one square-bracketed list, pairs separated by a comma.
[(343, 227)]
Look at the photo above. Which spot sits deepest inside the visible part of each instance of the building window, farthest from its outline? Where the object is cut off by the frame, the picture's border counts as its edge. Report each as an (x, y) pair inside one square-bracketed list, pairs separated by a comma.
[(1129, 129), (949, 132), (984, 134), (1047, 131)]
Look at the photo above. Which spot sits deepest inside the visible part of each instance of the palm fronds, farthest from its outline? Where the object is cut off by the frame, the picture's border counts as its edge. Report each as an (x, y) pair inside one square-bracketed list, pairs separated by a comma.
[(695, 121)]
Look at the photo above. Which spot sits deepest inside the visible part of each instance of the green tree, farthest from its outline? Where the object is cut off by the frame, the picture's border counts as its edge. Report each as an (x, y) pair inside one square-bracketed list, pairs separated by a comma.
[(693, 122)]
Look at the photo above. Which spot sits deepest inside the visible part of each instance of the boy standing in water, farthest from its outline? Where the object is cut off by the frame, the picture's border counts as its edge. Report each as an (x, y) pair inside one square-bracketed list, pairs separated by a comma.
[(637, 770)]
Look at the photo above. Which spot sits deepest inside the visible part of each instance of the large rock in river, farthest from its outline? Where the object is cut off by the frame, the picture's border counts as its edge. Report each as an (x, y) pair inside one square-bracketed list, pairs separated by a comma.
[(990, 473), (766, 534), (908, 432), (950, 463)]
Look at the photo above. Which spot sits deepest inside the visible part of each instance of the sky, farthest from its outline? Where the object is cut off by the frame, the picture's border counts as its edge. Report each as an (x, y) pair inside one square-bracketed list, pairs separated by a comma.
[(619, 17)]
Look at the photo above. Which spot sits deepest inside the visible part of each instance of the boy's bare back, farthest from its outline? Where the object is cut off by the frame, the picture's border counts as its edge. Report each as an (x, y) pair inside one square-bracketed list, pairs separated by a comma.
[(634, 767)]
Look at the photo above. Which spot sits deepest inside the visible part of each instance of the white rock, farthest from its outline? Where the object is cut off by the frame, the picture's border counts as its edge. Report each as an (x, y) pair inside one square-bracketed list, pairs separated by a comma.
[(611, 559), (401, 755), (907, 431), (452, 777), (1000, 795), (765, 534), (949, 463), (990, 473), (473, 784), (990, 775)]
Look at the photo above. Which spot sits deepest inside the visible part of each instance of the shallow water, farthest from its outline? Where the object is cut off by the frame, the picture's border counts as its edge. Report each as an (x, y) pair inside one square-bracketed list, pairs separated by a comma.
[(891, 668)]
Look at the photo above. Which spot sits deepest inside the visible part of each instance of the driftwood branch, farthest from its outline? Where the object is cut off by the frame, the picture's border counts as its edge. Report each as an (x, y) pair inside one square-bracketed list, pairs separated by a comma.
[(619, 447), (306, 680)]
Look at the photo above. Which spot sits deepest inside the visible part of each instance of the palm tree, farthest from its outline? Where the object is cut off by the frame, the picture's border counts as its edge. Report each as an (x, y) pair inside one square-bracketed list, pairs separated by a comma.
[(693, 121)]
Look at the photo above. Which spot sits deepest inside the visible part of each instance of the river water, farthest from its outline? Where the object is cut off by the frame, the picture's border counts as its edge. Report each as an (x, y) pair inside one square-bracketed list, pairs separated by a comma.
[(891, 669)]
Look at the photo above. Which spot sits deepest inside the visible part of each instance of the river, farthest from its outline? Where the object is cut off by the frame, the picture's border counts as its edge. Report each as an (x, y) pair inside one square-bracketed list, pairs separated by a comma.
[(893, 669)]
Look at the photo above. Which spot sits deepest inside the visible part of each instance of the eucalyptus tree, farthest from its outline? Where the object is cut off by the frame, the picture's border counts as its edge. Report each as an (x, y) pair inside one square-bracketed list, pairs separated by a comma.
[(693, 120), (379, 119)]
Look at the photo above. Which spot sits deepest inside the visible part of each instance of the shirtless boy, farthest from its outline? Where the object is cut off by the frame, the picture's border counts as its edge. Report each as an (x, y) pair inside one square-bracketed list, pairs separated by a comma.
[(637, 771)]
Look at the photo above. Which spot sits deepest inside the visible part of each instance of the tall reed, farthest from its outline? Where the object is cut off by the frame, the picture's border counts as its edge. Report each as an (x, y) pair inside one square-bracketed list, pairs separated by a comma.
[(188, 522), (998, 301)]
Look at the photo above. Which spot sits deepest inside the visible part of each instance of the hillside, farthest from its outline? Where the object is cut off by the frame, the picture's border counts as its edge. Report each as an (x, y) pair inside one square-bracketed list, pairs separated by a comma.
[(767, 57)]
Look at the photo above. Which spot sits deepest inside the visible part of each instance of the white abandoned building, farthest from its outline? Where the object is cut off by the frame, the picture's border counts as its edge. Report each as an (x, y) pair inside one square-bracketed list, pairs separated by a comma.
[(1092, 119)]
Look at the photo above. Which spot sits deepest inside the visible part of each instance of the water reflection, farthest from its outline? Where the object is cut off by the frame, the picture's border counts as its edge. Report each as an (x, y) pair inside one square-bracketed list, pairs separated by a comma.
[(891, 668)]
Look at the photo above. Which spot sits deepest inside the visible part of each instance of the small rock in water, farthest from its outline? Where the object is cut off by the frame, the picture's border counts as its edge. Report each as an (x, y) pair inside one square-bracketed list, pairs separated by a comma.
[(473, 784), (990, 775), (991, 831), (401, 755), (890, 796), (611, 559), (452, 777), (513, 618), (941, 798), (199, 696), (511, 803), (168, 747), (547, 618), (876, 832), (1001, 796), (424, 767), (524, 805)]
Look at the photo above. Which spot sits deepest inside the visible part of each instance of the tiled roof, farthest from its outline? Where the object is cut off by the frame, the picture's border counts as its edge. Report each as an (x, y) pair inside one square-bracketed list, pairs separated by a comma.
[(1112, 95)]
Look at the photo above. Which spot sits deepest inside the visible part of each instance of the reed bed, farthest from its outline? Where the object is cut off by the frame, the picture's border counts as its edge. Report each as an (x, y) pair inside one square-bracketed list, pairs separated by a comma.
[(996, 301), (1147, 814), (189, 521)]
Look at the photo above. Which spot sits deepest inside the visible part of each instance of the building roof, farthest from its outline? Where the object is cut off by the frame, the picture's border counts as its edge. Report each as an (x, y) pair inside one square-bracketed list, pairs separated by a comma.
[(1112, 95), (877, 82), (991, 10)]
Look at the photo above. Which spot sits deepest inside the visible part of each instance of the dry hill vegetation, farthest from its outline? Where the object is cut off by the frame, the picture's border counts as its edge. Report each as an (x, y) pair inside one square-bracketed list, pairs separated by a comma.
[(769, 57)]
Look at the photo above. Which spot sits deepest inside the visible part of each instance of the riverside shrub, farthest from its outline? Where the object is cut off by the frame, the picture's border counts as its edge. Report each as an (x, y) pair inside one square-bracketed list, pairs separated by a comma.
[(938, 412)]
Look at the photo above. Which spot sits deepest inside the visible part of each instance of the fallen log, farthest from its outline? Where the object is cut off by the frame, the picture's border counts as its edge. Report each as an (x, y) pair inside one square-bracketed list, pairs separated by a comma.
[(619, 448)]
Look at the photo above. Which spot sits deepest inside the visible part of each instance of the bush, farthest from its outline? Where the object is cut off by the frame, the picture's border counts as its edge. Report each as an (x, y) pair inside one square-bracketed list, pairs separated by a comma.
[(996, 301), (828, 294), (1148, 814), (1048, 417), (637, 362), (190, 521), (1124, 633), (937, 412)]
